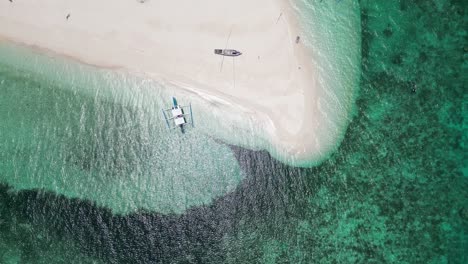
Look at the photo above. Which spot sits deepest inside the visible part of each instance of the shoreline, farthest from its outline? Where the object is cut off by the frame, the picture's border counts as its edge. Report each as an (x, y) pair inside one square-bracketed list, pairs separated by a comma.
[(285, 93)]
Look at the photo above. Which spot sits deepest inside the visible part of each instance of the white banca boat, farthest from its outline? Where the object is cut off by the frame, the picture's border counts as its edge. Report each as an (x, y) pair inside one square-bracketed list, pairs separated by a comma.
[(227, 52), (178, 115)]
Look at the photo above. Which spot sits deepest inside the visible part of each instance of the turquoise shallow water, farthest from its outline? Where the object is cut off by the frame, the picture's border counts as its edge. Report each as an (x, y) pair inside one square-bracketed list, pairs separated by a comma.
[(86, 138), (394, 192)]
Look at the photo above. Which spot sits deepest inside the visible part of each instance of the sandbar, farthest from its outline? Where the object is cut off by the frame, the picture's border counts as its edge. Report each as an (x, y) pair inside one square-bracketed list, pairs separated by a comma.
[(278, 84)]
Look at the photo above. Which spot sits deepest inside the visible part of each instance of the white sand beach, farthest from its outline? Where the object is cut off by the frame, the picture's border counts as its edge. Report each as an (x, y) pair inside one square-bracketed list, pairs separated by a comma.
[(298, 94)]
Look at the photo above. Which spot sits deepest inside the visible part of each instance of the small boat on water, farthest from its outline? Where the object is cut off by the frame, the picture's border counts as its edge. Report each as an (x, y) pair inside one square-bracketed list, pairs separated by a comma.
[(227, 52), (179, 117)]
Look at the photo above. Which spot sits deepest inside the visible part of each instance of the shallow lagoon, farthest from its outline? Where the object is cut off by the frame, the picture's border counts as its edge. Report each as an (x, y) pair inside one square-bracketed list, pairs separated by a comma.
[(395, 192)]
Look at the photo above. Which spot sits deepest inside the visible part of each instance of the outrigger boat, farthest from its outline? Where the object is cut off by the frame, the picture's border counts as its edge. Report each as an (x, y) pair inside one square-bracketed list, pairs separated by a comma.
[(227, 52), (178, 116)]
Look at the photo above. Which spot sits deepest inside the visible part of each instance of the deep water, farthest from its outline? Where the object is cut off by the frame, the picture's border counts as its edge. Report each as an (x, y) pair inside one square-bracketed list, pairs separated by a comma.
[(396, 191)]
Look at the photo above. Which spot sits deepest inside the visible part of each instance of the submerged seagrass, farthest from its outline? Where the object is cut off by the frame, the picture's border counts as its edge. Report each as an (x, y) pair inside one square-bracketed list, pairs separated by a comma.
[(394, 192)]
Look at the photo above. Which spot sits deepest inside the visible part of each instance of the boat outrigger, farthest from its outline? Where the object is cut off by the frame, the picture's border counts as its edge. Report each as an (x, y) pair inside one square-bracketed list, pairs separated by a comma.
[(179, 117), (227, 52)]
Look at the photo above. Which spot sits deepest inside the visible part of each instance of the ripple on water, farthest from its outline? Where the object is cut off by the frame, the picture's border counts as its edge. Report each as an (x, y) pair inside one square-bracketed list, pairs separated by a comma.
[(98, 135)]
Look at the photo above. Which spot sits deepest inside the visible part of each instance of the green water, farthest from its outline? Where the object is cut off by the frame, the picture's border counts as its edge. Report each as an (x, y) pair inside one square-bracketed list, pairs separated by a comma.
[(396, 191), (116, 154)]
